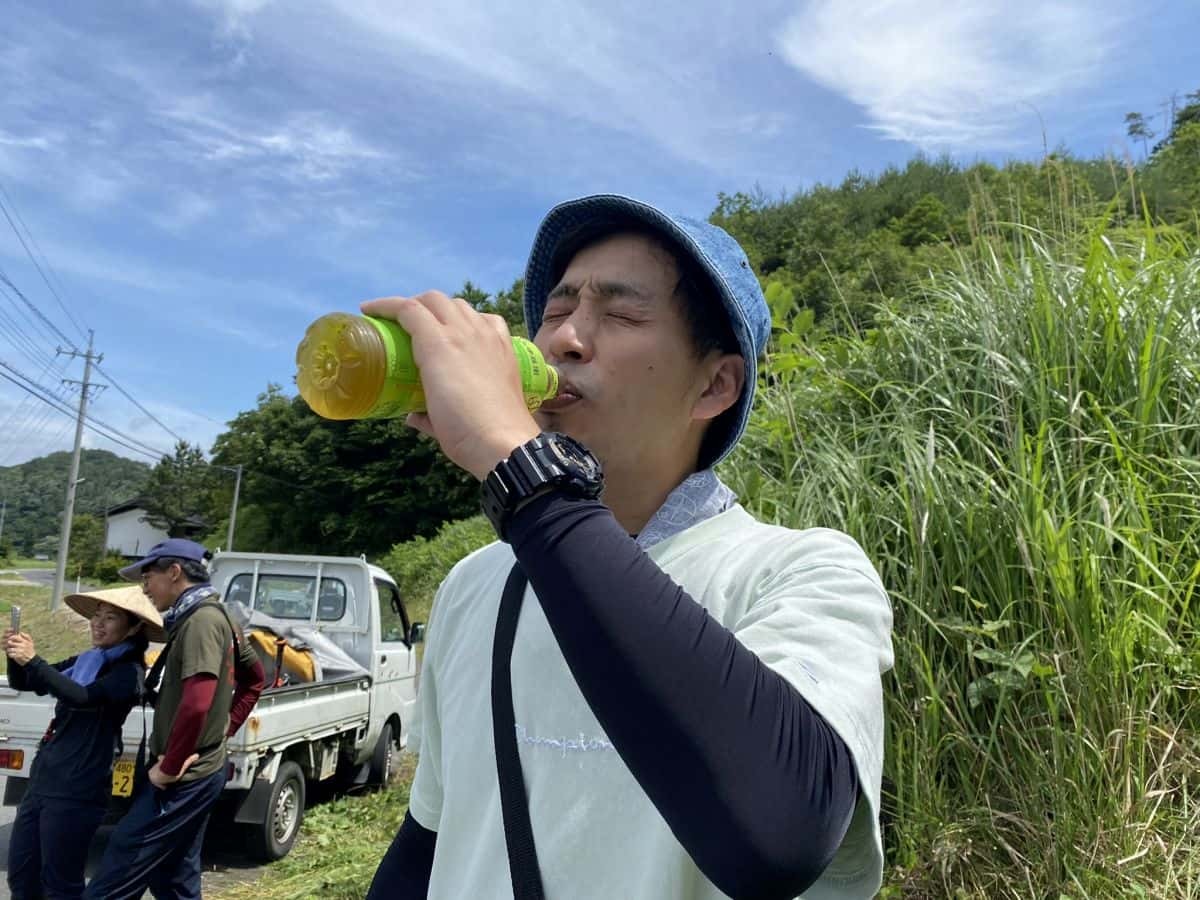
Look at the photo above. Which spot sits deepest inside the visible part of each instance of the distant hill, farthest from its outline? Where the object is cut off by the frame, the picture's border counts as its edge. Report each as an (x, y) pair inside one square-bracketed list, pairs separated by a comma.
[(35, 491)]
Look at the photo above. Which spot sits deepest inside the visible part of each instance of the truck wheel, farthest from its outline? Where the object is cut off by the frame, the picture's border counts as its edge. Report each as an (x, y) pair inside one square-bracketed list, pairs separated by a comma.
[(274, 836), (382, 760)]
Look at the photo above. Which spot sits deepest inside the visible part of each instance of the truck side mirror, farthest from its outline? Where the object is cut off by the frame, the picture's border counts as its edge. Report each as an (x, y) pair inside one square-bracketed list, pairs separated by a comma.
[(416, 634)]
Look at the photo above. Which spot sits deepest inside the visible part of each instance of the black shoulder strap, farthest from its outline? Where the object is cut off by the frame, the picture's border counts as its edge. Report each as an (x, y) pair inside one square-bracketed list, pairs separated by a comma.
[(149, 684), (514, 804), (154, 676), (233, 630)]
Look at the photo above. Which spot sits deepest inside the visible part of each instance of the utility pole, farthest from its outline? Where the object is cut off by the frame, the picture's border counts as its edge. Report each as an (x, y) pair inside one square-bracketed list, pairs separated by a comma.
[(237, 487), (64, 539)]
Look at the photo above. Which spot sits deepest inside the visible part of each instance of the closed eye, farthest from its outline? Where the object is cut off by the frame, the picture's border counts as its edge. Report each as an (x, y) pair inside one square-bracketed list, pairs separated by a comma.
[(625, 316)]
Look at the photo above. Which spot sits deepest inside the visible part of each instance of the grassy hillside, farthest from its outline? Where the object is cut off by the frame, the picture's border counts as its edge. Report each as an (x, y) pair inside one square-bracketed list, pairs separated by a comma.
[(35, 491), (1020, 453)]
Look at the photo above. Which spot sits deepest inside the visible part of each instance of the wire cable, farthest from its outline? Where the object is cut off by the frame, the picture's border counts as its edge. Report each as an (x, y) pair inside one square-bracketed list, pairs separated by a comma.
[(37, 265), (90, 422), (112, 381)]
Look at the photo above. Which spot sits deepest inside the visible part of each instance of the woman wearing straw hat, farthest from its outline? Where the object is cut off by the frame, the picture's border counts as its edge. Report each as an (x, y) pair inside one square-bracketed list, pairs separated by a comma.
[(71, 778)]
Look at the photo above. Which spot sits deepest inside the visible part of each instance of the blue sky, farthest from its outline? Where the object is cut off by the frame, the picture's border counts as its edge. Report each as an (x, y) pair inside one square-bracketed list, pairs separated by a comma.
[(201, 179)]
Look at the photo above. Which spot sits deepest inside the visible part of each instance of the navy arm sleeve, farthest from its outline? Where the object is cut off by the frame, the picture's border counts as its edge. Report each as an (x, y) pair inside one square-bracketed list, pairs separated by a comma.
[(406, 868), (120, 684), (17, 679), (32, 675), (755, 785)]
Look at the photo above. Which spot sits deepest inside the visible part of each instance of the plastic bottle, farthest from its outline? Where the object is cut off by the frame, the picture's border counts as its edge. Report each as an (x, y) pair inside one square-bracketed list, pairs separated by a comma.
[(361, 367)]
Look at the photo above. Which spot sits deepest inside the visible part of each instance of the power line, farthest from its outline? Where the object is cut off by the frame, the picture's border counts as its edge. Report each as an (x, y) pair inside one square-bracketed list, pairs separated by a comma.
[(62, 305), (327, 492), (101, 428), (12, 422), (37, 312), (38, 431), (89, 423), (33, 259), (49, 324), (129, 397), (45, 260), (21, 341), (148, 449)]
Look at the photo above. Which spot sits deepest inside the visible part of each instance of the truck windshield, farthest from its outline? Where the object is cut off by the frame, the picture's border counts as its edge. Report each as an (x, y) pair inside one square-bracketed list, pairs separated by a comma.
[(291, 596)]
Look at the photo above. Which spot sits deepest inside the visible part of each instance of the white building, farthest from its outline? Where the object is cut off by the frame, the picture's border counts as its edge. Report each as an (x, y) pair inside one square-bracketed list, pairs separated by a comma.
[(127, 532)]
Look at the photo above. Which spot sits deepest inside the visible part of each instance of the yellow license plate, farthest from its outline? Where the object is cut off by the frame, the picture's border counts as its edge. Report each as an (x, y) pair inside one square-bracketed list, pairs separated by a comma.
[(122, 785)]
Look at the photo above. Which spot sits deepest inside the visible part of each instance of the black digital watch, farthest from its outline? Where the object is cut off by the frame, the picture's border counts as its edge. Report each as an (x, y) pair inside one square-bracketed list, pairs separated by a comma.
[(549, 462)]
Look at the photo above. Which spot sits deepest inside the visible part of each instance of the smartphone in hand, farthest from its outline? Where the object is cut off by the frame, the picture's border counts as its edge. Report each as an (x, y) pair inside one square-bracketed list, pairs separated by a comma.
[(16, 619)]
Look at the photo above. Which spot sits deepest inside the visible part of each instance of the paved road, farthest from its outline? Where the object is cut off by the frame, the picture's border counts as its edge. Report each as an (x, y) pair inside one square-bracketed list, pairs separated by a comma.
[(224, 862), (45, 577)]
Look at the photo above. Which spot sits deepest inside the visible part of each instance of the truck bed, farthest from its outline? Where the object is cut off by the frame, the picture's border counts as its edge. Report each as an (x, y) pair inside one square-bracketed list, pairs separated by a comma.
[(303, 711), (281, 717)]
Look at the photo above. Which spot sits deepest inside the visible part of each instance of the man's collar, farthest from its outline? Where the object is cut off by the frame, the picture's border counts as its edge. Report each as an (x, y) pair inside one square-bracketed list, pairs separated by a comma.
[(700, 496)]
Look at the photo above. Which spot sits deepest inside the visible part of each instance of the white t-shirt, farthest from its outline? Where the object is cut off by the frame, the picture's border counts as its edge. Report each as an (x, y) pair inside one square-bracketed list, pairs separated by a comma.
[(808, 603)]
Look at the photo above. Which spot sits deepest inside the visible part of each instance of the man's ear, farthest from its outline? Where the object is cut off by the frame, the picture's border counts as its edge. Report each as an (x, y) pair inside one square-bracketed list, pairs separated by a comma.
[(726, 376)]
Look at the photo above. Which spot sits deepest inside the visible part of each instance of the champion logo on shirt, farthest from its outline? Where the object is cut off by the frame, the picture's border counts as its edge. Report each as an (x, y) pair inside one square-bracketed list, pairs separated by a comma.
[(580, 744)]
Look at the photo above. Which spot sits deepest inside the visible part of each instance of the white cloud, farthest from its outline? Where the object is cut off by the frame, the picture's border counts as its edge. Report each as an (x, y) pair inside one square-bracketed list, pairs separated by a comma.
[(36, 142), (303, 148), (622, 66), (172, 289), (952, 75)]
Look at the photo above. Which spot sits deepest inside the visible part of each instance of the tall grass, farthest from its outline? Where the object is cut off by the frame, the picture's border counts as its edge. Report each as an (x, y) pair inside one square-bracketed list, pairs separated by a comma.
[(1019, 450)]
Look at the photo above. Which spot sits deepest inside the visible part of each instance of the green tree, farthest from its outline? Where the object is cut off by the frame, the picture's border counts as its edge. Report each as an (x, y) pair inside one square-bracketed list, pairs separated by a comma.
[(508, 303), (178, 493), (926, 222), (34, 490), (315, 485), (476, 296), (87, 543), (1136, 128), (1188, 114), (1177, 164)]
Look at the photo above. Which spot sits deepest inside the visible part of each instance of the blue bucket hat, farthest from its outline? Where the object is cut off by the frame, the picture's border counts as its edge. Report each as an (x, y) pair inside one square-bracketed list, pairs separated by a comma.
[(717, 254), (175, 548)]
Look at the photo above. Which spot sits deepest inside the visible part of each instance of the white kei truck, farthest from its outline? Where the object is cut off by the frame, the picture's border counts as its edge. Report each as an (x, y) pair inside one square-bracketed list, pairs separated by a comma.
[(343, 718)]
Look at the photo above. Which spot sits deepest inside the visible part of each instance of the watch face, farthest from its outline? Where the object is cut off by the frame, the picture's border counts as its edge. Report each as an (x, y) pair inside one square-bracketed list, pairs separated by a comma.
[(573, 454)]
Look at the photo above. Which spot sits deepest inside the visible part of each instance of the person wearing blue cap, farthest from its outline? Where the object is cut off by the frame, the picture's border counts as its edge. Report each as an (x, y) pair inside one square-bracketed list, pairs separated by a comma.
[(204, 684), (684, 702)]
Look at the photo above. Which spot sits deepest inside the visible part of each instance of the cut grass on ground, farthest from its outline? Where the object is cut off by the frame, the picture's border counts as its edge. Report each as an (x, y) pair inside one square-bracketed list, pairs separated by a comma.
[(27, 562), (340, 846)]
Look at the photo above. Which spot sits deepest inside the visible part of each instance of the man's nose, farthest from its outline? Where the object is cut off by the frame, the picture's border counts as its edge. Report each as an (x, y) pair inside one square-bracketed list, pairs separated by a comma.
[(571, 338)]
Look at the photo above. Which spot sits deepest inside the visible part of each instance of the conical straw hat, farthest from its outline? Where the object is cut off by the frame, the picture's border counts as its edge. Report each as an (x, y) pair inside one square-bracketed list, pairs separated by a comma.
[(131, 599)]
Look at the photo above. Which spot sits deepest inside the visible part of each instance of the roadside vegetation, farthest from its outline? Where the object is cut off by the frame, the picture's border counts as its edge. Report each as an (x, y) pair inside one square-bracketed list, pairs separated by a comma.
[(1017, 445), (990, 377), (57, 635)]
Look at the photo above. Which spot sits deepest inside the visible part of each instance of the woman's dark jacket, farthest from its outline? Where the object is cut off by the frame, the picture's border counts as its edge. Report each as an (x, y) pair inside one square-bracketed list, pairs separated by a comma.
[(76, 756)]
